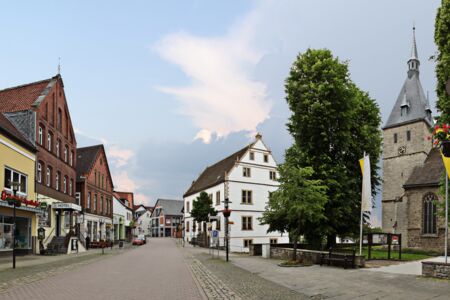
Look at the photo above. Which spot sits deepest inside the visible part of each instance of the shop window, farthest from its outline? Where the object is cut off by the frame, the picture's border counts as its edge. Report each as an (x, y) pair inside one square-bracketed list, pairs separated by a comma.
[(23, 232)]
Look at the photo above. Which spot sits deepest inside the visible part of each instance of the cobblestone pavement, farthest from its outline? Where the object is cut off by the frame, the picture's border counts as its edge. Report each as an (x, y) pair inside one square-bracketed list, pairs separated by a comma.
[(337, 283), (157, 270)]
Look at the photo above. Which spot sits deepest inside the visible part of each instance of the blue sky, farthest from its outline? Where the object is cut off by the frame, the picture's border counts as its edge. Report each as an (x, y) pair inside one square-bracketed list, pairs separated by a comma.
[(172, 86)]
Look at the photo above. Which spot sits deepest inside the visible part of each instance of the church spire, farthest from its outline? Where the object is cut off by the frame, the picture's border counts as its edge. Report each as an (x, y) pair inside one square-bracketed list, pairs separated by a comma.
[(413, 62)]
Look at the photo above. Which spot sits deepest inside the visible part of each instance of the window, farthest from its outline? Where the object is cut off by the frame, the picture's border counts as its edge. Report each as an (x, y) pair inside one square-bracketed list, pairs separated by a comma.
[(429, 214), (95, 177), (218, 198), (41, 135), (188, 209), (266, 158), (274, 241), (247, 197), (71, 158), (49, 141), (66, 152), (65, 185), (59, 120), (101, 204), (103, 181), (70, 187), (14, 176), (246, 172), (395, 138), (247, 223), (247, 243), (218, 223), (57, 176), (88, 204), (252, 155), (78, 198), (58, 150), (67, 219), (39, 172), (49, 176), (273, 175), (187, 226), (408, 135), (95, 202)]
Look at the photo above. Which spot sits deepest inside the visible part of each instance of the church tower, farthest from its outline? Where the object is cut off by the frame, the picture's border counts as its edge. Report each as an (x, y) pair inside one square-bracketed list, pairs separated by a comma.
[(405, 146)]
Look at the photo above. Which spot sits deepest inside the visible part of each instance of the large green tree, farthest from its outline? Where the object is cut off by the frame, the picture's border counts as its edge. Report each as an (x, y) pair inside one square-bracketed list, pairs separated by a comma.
[(297, 207), (333, 123), (442, 40), (201, 210)]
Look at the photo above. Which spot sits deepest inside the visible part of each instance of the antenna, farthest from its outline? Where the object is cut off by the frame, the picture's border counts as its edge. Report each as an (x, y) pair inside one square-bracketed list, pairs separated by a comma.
[(59, 65)]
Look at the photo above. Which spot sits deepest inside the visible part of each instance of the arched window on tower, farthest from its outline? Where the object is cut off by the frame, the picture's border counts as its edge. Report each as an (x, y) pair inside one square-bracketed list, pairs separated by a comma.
[(429, 214)]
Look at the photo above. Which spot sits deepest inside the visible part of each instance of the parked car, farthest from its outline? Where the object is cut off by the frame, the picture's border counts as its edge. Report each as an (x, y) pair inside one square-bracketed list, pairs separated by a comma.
[(138, 242), (143, 238)]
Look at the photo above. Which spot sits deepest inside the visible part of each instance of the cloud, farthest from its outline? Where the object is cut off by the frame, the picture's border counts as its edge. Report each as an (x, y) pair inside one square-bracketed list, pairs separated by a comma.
[(222, 97), (119, 156)]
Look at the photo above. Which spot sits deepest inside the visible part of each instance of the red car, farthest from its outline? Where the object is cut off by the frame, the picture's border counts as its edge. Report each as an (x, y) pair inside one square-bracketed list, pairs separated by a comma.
[(138, 242)]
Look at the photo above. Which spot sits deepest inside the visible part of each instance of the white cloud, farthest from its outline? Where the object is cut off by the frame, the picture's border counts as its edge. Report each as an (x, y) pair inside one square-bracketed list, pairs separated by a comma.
[(222, 97), (119, 156)]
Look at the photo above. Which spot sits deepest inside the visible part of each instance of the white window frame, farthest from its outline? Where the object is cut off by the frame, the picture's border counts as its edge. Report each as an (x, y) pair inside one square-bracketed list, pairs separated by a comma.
[(49, 141), (71, 158), (70, 187), (57, 181), (20, 174), (251, 155), (66, 149), (273, 175), (246, 172), (58, 153), (248, 196), (88, 205), (39, 172), (65, 185), (41, 135), (48, 177)]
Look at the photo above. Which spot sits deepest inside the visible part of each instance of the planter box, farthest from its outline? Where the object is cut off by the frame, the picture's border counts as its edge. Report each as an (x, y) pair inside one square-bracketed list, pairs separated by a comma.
[(436, 269)]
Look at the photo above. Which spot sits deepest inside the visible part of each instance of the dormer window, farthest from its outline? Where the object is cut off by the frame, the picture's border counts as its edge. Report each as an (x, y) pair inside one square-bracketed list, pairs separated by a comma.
[(404, 110)]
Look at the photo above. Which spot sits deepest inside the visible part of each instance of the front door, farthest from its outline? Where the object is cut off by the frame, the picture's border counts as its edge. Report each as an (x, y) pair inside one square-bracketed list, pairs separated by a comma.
[(58, 224)]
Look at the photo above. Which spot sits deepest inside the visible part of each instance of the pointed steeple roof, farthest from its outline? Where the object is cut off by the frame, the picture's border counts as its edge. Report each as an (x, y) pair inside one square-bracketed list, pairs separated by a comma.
[(412, 105)]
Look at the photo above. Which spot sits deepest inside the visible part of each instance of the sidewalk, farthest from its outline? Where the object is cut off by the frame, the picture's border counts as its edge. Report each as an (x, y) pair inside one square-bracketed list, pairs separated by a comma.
[(337, 283), (34, 260)]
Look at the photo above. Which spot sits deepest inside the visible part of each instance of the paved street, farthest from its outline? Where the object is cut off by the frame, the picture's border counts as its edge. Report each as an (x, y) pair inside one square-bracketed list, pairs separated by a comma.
[(157, 270)]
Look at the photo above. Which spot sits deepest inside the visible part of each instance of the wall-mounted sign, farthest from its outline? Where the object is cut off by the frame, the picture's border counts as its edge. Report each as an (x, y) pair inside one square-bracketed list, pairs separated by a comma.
[(64, 205)]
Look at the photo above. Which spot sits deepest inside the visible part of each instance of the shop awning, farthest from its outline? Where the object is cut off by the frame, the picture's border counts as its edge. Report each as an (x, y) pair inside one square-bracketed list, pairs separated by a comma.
[(24, 208), (66, 206)]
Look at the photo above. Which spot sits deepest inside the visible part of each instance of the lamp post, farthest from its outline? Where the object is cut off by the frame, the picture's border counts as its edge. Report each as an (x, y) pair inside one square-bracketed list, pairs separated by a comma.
[(15, 188)]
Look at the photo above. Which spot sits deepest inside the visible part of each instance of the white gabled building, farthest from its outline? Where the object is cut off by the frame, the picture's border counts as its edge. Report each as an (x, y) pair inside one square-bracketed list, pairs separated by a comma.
[(250, 175)]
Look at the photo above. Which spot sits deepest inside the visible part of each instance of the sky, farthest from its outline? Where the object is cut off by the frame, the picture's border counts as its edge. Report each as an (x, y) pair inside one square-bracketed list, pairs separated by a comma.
[(171, 87)]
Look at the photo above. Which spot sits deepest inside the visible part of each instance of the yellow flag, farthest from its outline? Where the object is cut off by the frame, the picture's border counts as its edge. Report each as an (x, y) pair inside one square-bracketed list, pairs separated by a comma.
[(366, 194), (446, 161)]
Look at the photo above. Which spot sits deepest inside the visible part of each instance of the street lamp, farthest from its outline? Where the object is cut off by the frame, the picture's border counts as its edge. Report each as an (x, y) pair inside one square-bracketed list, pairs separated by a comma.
[(15, 188)]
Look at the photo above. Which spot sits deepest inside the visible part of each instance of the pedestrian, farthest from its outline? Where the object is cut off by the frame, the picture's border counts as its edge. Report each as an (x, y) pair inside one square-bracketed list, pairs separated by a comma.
[(88, 242)]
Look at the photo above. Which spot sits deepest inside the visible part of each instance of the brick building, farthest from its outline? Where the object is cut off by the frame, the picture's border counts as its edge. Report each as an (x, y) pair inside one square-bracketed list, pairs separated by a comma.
[(95, 191), (40, 112)]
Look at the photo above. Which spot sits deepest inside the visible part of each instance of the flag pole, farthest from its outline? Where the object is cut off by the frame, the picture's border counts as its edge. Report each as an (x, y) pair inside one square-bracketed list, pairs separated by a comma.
[(361, 224)]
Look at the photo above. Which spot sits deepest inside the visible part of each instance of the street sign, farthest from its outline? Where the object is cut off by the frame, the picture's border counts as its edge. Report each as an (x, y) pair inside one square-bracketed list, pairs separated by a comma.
[(215, 233), (230, 222)]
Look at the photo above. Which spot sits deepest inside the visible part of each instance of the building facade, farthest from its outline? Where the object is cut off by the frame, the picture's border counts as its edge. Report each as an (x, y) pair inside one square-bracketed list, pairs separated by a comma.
[(17, 164), (166, 218), (248, 175), (40, 112), (411, 167), (122, 219), (95, 193), (142, 216)]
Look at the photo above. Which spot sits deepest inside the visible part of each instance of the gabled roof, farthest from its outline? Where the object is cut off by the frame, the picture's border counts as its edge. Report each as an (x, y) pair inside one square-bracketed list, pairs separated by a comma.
[(215, 174), (25, 96), (170, 207), (7, 128), (86, 158), (428, 174)]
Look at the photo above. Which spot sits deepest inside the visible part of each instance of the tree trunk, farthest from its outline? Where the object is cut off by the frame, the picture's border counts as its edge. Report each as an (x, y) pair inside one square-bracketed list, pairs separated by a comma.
[(205, 236)]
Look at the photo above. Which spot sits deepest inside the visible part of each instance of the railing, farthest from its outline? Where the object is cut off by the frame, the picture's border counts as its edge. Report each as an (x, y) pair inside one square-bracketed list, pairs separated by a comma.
[(50, 235)]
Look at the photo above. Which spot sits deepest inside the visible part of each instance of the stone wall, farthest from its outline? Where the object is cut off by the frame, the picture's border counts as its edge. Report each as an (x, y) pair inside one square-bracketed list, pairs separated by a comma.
[(436, 269), (307, 255)]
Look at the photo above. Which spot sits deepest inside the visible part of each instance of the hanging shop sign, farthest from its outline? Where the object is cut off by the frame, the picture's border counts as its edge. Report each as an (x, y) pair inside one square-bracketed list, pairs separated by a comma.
[(41, 234), (17, 200)]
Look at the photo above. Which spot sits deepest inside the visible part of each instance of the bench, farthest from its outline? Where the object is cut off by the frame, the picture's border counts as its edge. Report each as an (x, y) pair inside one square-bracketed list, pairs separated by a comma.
[(339, 256)]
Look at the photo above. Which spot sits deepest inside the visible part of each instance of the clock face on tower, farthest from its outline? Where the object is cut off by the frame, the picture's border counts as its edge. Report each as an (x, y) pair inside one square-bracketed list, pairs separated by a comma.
[(401, 150)]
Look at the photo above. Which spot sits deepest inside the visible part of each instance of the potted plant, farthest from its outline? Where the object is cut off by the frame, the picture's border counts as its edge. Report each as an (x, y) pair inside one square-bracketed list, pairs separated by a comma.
[(442, 138)]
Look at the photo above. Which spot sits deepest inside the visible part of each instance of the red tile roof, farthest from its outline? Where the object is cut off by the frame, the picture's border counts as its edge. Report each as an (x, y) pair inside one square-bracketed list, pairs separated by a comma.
[(22, 97)]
